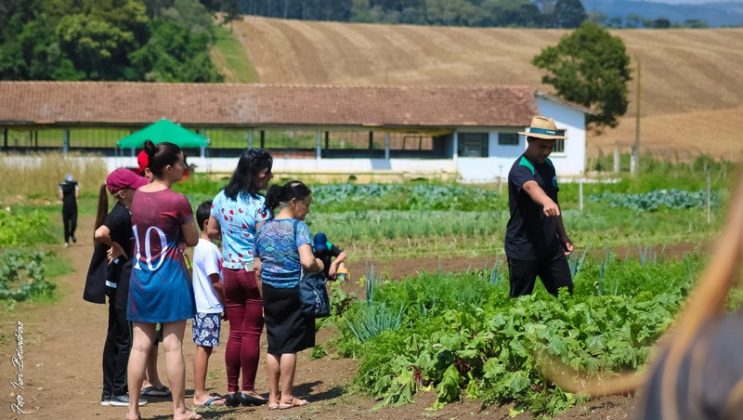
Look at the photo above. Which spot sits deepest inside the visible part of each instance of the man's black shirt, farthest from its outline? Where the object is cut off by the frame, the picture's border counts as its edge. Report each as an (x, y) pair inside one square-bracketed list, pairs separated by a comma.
[(529, 234)]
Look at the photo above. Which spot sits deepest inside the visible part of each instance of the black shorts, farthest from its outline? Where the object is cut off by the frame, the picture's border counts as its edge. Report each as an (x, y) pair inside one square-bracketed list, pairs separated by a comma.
[(553, 271)]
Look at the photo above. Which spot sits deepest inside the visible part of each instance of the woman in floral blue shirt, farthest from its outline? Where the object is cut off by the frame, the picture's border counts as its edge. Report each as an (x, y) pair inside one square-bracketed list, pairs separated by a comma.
[(283, 251)]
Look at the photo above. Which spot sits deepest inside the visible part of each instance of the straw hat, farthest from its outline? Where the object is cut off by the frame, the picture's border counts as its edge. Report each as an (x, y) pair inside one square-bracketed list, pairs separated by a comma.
[(543, 128)]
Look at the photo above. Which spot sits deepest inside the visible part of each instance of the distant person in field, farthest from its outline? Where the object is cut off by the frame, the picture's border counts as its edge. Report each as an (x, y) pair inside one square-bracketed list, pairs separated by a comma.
[(237, 212), (536, 242), (160, 288), (69, 192), (113, 253), (207, 285)]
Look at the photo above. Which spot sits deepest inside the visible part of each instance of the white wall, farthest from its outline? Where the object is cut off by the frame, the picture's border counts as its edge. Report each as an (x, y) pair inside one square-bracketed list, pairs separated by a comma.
[(348, 166), (570, 163), (573, 161)]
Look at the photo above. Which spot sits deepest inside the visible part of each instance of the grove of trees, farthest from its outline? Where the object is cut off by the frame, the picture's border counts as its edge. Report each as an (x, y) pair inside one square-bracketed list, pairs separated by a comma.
[(153, 40), (523, 13)]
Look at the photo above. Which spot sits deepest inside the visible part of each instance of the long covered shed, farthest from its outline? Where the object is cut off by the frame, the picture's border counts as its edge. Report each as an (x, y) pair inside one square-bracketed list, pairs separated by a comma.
[(468, 130)]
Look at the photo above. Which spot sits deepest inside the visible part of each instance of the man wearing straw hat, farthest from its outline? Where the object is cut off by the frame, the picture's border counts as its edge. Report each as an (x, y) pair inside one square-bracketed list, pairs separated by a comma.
[(536, 241)]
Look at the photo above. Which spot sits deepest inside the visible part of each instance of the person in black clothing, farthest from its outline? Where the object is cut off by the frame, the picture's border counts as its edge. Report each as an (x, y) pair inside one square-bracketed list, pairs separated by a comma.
[(111, 266), (326, 251), (69, 192), (536, 242)]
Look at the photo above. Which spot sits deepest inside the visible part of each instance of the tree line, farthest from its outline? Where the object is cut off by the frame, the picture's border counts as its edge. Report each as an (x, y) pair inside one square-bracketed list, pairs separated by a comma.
[(522, 13), (150, 40)]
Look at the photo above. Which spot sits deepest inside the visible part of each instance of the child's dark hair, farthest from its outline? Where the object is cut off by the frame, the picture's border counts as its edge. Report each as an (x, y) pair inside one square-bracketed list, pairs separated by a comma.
[(161, 155), (203, 212), (252, 161), (282, 194)]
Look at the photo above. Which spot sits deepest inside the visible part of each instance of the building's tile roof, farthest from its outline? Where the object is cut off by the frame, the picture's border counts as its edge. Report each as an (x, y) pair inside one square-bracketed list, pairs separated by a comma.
[(258, 105)]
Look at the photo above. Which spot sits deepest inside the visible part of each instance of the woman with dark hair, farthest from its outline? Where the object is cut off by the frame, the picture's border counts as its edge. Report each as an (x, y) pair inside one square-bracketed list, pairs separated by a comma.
[(283, 251), (236, 213), (160, 287)]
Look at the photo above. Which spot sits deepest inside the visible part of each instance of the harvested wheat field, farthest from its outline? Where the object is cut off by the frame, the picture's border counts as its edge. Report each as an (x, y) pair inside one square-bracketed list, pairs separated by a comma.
[(692, 79)]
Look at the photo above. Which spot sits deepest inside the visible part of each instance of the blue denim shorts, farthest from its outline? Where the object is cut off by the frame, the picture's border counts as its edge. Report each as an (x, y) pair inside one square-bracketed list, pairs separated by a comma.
[(205, 329)]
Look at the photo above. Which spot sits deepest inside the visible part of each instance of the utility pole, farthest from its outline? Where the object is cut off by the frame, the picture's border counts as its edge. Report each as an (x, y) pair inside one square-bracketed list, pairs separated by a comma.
[(637, 121)]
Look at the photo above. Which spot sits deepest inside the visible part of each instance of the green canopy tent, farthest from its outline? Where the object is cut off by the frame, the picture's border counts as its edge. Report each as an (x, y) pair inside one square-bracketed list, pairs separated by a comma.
[(164, 130)]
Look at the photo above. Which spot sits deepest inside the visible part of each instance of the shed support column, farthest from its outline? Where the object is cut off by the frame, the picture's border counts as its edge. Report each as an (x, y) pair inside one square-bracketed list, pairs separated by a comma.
[(5, 138), (387, 146), (327, 140), (455, 146), (202, 151), (371, 140), (66, 143), (250, 138), (263, 139), (318, 145)]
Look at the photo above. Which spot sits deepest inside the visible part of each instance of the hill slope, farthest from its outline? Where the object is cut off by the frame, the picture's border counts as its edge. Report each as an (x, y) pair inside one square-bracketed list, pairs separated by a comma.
[(684, 72)]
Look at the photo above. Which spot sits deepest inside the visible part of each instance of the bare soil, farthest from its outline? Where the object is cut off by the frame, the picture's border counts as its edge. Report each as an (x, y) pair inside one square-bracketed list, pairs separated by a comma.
[(62, 344)]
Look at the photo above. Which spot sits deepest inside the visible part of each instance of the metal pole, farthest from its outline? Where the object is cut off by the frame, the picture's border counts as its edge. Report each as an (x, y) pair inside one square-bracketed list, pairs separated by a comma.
[(455, 146), (637, 120), (66, 144), (709, 194), (250, 138), (387, 146), (263, 139), (617, 160), (318, 145)]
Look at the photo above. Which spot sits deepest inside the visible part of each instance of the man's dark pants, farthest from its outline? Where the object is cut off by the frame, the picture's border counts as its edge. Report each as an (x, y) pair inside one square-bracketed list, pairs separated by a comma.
[(553, 271)]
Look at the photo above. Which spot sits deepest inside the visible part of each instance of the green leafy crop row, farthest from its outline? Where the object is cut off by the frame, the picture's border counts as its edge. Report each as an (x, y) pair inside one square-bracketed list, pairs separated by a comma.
[(461, 336)]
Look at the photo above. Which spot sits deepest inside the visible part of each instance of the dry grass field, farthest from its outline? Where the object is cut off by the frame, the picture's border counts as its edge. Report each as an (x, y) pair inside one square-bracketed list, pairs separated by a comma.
[(692, 95)]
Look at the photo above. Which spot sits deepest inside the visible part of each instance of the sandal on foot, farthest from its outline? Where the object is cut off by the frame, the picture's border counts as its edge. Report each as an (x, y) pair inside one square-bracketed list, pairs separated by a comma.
[(155, 391), (273, 405), (213, 401), (295, 402), (247, 399)]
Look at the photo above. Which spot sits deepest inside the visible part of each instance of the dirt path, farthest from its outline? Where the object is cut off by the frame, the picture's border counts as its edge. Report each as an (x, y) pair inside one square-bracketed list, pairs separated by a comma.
[(62, 346)]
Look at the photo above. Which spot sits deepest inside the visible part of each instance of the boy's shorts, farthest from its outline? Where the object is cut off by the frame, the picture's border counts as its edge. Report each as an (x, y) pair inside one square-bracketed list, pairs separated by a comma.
[(205, 329)]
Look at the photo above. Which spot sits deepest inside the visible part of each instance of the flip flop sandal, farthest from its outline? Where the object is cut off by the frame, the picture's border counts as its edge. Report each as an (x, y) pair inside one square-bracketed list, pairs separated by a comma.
[(155, 391), (272, 406), (210, 402)]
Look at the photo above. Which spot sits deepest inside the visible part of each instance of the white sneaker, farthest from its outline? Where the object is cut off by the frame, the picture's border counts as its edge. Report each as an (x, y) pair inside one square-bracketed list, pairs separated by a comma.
[(123, 401)]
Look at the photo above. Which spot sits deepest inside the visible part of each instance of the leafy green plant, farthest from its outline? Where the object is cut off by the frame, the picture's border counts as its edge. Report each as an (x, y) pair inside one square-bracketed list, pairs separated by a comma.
[(25, 229), (653, 200), (22, 276), (460, 334)]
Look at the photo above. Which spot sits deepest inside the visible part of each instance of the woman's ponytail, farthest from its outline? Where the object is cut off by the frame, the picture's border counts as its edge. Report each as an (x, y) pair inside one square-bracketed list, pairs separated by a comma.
[(149, 148), (273, 197), (102, 211)]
